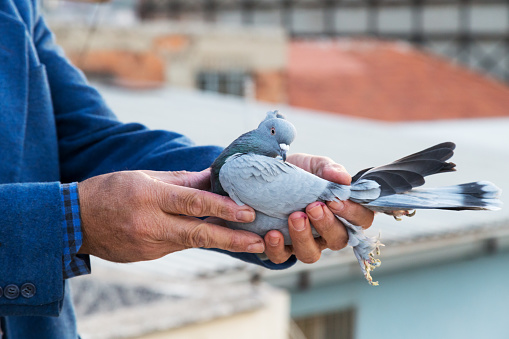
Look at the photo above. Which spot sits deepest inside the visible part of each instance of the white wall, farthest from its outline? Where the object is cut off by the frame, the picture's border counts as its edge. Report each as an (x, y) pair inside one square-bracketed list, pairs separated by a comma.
[(269, 322)]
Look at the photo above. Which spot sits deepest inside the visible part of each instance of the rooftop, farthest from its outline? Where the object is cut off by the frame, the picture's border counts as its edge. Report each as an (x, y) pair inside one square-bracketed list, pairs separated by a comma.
[(481, 153), (391, 81), (191, 276)]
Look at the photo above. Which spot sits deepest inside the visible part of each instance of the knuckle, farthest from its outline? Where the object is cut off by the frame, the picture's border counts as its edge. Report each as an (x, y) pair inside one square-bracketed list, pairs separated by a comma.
[(338, 245), (235, 241), (277, 259), (193, 204), (323, 160), (133, 189), (219, 207), (326, 226), (337, 167), (198, 237), (333, 233), (197, 205), (224, 210), (310, 258), (358, 214), (302, 240), (351, 210), (326, 161), (334, 246), (320, 163)]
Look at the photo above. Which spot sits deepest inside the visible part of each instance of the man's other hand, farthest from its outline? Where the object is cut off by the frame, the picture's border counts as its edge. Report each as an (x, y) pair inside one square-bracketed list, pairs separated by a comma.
[(332, 232)]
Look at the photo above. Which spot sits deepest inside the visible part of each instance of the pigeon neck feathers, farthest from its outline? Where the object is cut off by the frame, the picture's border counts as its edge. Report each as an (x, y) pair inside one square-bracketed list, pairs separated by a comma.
[(250, 142), (272, 138)]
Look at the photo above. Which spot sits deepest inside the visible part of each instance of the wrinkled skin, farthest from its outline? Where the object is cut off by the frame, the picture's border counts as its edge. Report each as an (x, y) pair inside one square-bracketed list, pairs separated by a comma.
[(143, 215)]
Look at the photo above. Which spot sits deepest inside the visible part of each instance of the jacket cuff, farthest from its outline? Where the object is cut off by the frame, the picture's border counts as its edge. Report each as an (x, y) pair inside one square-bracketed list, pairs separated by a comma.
[(31, 249)]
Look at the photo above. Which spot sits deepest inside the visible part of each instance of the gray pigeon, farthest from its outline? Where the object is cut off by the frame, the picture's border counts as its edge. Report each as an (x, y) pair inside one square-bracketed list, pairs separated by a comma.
[(252, 171)]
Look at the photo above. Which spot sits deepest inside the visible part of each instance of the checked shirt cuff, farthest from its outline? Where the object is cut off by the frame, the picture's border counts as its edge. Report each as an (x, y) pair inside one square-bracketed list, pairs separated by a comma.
[(74, 264)]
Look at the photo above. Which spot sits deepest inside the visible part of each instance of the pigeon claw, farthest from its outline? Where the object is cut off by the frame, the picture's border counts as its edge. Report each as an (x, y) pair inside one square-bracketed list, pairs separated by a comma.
[(365, 249), (398, 214), (370, 265)]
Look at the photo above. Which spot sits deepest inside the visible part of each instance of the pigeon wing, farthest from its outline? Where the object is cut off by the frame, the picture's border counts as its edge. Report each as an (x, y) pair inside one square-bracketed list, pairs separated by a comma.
[(269, 185)]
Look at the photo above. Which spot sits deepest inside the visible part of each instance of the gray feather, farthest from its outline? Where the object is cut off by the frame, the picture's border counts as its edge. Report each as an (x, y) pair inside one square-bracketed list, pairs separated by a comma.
[(481, 195), (276, 188), (406, 173)]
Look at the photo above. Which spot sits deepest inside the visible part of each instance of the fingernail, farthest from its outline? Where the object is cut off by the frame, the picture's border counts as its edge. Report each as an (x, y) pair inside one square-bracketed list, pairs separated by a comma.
[(246, 216), (273, 241), (316, 212), (299, 224), (257, 247), (337, 205)]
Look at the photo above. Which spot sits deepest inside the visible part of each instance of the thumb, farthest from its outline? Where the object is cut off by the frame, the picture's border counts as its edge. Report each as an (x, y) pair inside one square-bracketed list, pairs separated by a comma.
[(335, 173)]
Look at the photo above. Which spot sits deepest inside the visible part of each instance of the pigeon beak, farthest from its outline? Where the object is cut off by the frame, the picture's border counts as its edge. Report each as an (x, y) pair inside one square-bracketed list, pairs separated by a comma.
[(284, 148)]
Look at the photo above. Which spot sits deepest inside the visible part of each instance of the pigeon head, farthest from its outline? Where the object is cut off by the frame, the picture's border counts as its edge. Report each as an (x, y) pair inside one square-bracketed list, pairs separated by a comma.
[(272, 138), (276, 134)]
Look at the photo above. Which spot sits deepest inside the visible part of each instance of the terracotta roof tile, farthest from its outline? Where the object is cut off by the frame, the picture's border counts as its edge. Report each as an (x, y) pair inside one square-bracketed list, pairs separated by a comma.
[(388, 81)]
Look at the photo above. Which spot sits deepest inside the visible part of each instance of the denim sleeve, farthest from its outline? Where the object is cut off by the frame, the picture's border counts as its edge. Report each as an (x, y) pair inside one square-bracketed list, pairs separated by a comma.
[(92, 141)]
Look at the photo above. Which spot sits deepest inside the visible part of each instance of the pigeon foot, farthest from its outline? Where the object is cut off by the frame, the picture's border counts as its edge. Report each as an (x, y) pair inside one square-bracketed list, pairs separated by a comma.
[(371, 263), (398, 214)]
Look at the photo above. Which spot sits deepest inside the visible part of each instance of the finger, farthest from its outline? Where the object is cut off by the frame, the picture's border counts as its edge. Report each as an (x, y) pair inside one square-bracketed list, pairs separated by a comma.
[(332, 231), (323, 167), (198, 180), (192, 202), (354, 213), (329, 170), (305, 248), (197, 233), (275, 248)]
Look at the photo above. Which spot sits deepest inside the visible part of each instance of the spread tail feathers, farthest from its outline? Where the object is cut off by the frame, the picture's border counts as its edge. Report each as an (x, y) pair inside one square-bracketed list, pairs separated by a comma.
[(392, 189), (398, 181), (406, 173)]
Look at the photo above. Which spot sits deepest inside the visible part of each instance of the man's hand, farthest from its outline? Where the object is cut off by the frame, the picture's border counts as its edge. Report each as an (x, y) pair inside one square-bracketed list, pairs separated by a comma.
[(144, 215), (333, 232)]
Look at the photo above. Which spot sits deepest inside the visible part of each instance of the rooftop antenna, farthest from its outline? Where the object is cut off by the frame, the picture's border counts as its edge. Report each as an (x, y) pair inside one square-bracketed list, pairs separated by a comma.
[(80, 62)]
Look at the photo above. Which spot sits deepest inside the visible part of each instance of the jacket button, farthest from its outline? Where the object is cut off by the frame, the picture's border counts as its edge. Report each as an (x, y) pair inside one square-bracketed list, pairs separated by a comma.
[(1, 292), (11, 291), (28, 290)]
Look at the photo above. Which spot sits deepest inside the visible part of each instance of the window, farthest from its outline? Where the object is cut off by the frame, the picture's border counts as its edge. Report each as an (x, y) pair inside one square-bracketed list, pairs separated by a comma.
[(335, 325), (227, 82)]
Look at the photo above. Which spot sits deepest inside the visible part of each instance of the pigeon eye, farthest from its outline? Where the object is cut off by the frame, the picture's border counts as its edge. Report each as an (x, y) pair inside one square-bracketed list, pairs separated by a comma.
[(272, 131)]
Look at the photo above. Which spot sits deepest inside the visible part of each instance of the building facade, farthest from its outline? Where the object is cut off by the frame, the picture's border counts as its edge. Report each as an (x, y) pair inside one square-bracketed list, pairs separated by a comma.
[(474, 33)]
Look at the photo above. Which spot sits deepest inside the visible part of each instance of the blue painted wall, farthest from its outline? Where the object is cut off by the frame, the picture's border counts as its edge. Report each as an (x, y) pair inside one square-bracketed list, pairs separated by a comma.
[(468, 299)]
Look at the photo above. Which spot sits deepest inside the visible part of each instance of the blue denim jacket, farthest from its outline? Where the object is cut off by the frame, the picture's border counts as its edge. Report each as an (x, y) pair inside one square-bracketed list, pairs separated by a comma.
[(55, 128)]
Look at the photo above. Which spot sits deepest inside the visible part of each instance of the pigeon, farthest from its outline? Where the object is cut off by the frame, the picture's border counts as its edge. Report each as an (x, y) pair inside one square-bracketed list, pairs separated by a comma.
[(253, 170)]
